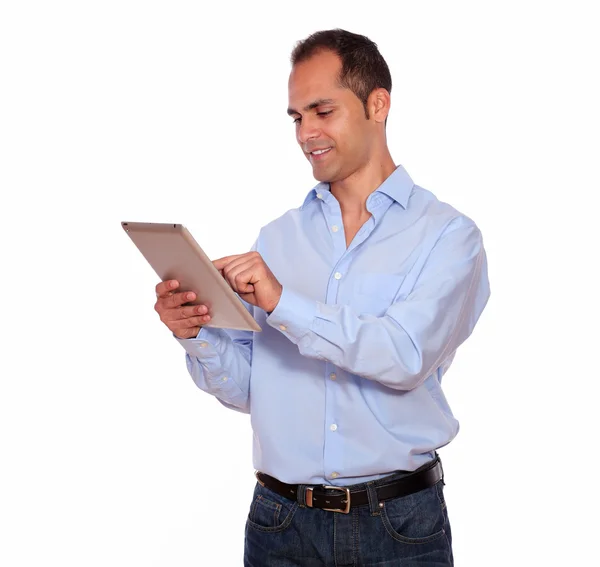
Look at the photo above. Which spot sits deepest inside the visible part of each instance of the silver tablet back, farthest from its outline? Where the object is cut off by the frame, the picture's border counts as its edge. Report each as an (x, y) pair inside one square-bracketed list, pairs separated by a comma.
[(174, 255)]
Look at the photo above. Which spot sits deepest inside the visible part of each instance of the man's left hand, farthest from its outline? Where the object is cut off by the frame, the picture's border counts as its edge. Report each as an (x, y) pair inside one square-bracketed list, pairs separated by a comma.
[(251, 278)]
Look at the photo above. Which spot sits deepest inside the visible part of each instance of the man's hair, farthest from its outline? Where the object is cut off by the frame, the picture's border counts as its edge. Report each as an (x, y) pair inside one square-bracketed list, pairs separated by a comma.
[(363, 67)]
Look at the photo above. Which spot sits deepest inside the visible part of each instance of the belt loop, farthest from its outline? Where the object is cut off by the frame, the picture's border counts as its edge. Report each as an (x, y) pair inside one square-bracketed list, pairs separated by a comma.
[(301, 495), (437, 458), (374, 506)]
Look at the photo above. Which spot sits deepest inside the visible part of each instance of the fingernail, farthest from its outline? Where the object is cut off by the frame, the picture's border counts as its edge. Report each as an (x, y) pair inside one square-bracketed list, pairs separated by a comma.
[(172, 284), (189, 296)]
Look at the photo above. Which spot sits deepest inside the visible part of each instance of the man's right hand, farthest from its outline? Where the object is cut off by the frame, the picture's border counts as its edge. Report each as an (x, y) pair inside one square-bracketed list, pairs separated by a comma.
[(184, 321)]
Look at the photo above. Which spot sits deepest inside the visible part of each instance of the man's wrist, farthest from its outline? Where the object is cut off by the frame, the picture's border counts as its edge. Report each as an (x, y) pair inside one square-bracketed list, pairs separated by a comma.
[(273, 307)]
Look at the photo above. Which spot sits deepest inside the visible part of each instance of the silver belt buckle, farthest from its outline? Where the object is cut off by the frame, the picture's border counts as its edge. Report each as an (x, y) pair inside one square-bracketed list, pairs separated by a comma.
[(346, 491)]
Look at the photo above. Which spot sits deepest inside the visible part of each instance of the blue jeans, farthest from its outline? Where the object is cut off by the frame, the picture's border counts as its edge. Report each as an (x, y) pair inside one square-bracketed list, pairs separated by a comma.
[(409, 531)]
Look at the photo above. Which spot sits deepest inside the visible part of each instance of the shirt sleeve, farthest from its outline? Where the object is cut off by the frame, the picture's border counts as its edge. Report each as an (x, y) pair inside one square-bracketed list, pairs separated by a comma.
[(416, 334), (220, 360), (219, 363)]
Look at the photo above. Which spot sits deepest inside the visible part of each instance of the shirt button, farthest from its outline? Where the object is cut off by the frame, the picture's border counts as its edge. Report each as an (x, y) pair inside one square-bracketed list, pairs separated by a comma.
[(283, 327), (203, 344), (333, 427), (337, 275), (319, 196), (335, 228), (333, 376), (224, 378), (334, 474)]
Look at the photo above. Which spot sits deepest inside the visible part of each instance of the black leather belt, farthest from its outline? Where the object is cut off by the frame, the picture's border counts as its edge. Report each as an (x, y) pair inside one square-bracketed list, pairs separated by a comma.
[(343, 499)]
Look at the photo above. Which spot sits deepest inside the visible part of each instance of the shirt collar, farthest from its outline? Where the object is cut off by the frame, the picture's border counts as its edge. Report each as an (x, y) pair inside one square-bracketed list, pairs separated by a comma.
[(398, 186)]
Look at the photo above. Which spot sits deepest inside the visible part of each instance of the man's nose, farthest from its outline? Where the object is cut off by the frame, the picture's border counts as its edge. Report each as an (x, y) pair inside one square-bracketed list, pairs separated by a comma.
[(307, 131)]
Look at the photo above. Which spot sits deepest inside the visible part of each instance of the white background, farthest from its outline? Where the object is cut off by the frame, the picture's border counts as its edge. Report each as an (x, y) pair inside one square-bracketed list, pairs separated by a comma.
[(175, 112)]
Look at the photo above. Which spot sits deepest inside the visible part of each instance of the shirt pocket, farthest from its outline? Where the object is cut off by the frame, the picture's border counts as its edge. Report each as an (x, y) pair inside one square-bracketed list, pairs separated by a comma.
[(376, 292)]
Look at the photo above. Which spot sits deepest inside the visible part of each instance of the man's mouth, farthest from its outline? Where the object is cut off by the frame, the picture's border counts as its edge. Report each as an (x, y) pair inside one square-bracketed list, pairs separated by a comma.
[(318, 154)]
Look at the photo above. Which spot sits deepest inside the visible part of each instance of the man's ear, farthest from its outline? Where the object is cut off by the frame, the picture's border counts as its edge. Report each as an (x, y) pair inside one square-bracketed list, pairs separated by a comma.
[(379, 103)]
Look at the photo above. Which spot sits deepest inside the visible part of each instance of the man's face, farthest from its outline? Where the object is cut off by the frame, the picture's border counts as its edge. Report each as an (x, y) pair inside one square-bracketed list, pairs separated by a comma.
[(329, 120)]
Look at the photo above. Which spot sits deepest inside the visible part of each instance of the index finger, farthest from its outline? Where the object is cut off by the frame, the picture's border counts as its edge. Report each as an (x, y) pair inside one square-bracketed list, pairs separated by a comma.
[(163, 289), (222, 262)]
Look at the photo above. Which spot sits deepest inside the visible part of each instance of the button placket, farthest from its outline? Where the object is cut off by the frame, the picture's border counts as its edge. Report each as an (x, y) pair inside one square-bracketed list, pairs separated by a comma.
[(333, 453)]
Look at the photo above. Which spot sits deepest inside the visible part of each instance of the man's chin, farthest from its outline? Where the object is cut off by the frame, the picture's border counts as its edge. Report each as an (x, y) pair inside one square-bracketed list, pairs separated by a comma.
[(322, 176)]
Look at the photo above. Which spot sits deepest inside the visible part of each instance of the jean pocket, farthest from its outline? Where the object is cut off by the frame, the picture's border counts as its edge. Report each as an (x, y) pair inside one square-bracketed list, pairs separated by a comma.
[(270, 512), (415, 519)]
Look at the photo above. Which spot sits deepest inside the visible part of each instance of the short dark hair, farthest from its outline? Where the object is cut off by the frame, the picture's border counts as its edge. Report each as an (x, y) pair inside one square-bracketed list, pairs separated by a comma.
[(363, 67)]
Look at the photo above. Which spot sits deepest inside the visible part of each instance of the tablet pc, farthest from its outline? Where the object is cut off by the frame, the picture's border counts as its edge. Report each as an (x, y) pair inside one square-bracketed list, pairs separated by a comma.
[(174, 255)]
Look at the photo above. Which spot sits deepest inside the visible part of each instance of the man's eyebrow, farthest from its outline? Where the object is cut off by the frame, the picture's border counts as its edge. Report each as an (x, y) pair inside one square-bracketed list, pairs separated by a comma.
[(320, 102)]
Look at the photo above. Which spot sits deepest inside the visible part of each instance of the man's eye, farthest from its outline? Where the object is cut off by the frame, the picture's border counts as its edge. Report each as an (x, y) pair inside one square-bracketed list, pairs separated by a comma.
[(322, 114)]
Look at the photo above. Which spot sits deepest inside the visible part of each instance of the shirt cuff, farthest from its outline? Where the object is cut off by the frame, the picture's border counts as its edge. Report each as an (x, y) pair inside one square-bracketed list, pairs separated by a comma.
[(204, 345), (293, 315)]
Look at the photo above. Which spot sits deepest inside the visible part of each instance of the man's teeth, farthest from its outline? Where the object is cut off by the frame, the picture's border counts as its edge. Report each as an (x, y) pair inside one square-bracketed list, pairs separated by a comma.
[(318, 152)]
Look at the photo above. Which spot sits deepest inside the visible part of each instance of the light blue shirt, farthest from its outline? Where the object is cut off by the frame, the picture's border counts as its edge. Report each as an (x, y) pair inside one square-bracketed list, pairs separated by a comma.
[(343, 385)]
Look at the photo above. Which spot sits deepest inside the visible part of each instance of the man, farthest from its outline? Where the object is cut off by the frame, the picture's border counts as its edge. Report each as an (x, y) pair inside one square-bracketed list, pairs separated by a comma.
[(364, 293)]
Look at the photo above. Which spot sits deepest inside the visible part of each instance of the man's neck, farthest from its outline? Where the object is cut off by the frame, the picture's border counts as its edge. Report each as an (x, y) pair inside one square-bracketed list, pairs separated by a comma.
[(352, 192)]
